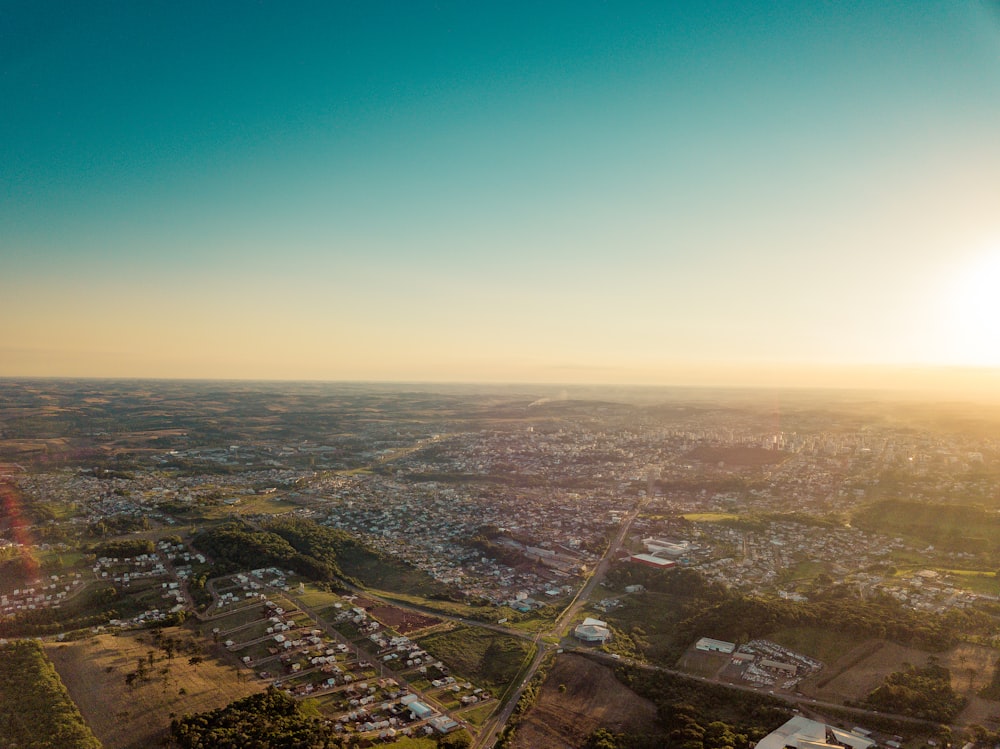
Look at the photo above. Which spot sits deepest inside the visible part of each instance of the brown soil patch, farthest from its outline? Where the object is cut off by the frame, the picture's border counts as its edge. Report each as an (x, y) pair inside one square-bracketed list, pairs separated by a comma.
[(858, 672), (401, 620), (593, 699), (700, 663), (861, 670), (971, 667), (980, 712), (137, 718)]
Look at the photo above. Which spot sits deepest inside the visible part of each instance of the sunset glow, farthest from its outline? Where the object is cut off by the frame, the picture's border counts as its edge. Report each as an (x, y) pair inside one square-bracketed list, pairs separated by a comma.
[(660, 193)]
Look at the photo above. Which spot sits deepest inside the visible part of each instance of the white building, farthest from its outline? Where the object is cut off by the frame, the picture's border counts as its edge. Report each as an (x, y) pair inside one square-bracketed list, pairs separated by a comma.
[(718, 646), (802, 733), (592, 630)]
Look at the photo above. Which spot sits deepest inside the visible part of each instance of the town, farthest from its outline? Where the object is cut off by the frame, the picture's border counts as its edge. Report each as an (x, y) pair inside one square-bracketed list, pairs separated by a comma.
[(508, 511)]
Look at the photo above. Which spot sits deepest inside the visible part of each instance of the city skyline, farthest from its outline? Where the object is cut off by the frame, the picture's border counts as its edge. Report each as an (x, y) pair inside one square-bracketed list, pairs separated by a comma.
[(731, 194)]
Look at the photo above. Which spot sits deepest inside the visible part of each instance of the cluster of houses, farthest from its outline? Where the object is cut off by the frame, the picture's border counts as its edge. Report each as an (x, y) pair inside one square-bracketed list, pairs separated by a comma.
[(287, 648), (429, 526), (44, 594), (765, 560)]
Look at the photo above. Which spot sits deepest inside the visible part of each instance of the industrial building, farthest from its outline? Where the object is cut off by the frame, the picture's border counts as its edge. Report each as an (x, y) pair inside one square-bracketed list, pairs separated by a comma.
[(592, 630), (802, 733)]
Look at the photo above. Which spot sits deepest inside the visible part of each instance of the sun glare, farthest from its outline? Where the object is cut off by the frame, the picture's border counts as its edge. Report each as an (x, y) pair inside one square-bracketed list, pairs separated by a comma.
[(975, 329)]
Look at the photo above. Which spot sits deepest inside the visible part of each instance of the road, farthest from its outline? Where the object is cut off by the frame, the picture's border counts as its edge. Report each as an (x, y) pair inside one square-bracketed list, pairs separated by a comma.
[(491, 729), (797, 699)]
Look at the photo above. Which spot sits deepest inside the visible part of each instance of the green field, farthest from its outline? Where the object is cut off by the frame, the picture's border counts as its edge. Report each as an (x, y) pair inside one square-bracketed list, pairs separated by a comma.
[(480, 713), (710, 517), (318, 600), (825, 645), (481, 656), (453, 608), (948, 527), (55, 561), (410, 743), (801, 572), (978, 581)]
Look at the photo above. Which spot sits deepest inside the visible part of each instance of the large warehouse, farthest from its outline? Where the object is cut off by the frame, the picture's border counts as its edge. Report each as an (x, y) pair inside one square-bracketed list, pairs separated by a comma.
[(802, 733), (592, 630)]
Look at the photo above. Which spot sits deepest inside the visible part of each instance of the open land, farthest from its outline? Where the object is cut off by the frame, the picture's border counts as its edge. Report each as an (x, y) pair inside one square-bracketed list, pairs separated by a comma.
[(134, 716), (306, 531), (578, 697)]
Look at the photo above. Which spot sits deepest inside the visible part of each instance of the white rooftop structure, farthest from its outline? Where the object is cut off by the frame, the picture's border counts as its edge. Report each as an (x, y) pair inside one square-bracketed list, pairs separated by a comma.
[(592, 630), (803, 733), (719, 646)]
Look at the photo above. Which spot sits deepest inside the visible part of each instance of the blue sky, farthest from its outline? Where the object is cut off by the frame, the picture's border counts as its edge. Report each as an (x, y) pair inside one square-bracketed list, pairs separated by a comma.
[(635, 192)]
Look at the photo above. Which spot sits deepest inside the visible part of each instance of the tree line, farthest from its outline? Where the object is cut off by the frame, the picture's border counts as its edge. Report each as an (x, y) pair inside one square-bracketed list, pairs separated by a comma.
[(36, 711)]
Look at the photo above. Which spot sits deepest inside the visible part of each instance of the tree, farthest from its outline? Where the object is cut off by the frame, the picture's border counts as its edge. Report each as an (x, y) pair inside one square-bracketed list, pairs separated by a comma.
[(602, 738), (459, 739)]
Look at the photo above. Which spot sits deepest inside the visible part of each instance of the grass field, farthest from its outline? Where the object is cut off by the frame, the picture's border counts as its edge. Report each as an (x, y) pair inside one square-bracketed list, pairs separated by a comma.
[(247, 505), (801, 572), (481, 656), (454, 608), (410, 743), (709, 517), (978, 581), (138, 716), (480, 713), (824, 645), (64, 560), (319, 600), (702, 664)]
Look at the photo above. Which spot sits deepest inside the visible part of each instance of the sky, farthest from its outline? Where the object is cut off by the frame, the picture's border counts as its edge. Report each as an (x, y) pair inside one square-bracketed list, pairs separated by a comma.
[(603, 192)]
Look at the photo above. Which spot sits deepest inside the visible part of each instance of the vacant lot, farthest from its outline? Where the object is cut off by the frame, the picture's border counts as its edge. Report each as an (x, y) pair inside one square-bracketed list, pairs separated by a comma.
[(860, 670), (138, 716), (398, 619), (592, 699), (700, 663), (484, 657), (863, 668)]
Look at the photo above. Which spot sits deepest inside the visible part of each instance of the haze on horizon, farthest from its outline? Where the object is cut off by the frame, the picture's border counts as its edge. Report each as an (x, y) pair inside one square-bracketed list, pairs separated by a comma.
[(718, 193)]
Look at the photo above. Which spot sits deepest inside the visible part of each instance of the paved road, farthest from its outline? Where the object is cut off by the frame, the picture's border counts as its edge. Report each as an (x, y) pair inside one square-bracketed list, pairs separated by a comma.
[(491, 729), (793, 698)]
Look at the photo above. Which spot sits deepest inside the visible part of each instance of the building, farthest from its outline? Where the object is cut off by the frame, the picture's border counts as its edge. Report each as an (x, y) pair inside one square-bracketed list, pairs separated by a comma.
[(802, 733), (786, 668), (650, 561), (592, 630), (670, 548), (420, 711), (709, 645), (443, 724)]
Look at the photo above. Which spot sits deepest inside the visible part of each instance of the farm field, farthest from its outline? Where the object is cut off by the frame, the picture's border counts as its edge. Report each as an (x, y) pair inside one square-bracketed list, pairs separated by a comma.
[(138, 716), (592, 699)]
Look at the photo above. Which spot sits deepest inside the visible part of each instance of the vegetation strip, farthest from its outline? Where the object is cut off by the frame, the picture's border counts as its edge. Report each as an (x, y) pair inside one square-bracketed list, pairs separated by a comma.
[(36, 711)]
